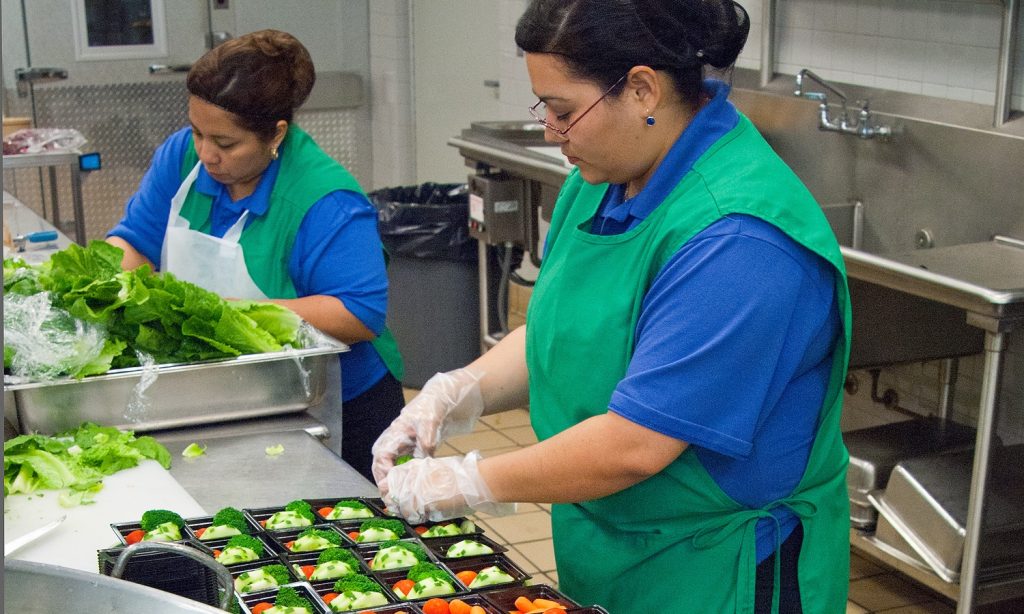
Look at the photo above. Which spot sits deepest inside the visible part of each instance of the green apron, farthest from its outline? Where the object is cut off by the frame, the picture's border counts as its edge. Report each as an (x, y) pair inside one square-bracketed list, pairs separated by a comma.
[(675, 542), (306, 175)]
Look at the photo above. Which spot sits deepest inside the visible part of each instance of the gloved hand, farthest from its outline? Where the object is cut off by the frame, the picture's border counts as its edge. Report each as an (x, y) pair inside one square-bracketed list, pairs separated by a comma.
[(434, 489), (449, 404)]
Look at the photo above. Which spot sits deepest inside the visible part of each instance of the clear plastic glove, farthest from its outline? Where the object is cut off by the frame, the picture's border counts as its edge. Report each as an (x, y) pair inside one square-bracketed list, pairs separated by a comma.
[(449, 404), (435, 489)]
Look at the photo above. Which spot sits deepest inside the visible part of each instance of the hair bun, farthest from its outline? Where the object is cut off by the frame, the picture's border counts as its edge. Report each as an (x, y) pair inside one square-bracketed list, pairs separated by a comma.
[(728, 28), (696, 31)]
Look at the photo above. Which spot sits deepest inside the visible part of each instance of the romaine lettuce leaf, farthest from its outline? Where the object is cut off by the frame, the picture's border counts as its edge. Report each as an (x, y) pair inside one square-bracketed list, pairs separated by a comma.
[(144, 313)]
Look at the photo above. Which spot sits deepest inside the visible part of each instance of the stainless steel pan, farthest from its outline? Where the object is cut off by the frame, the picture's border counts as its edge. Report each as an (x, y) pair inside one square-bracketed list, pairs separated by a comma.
[(38, 588)]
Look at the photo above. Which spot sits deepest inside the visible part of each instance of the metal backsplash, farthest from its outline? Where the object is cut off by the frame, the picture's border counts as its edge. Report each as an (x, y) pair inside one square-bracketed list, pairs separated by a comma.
[(962, 184), (126, 123)]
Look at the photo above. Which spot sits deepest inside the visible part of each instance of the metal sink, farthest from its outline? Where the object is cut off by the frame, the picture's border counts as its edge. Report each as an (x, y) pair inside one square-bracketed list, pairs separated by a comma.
[(986, 277), (910, 306)]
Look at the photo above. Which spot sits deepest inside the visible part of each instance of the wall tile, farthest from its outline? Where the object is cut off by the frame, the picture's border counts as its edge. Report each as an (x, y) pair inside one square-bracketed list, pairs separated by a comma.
[(868, 17)]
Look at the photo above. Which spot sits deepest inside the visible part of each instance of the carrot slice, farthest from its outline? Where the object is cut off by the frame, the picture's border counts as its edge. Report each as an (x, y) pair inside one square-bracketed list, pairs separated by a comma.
[(458, 606), (546, 603)]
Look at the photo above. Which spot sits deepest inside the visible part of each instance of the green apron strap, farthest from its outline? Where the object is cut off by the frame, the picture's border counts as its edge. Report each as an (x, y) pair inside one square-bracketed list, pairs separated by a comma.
[(387, 347)]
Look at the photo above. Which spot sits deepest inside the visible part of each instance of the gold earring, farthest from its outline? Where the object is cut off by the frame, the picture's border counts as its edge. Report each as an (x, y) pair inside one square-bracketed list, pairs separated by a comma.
[(273, 153)]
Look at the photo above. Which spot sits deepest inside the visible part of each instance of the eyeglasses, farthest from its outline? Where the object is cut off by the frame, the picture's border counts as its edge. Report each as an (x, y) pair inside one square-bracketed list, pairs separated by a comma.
[(539, 111)]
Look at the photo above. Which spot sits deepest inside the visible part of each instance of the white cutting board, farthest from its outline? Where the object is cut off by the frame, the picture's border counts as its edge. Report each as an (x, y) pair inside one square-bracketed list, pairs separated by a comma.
[(124, 498)]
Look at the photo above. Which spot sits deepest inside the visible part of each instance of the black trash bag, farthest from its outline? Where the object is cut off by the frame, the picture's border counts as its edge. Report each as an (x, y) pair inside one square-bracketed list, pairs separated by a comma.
[(429, 221)]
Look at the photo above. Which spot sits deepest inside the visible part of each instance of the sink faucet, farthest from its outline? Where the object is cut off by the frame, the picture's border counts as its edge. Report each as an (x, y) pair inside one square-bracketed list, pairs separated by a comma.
[(860, 125)]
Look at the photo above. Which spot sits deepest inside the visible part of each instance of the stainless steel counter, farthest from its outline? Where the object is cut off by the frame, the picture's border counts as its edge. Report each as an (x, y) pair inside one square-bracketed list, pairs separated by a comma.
[(236, 470)]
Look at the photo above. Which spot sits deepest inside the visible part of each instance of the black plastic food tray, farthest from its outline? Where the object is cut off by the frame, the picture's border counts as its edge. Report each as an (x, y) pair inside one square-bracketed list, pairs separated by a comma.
[(421, 527), (239, 569), (476, 563), (470, 599), (319, 503), (505, 598), (390, 577), (438, 546), (309, 558), (271, 549), (203, 522), (280, 539), (367, 551), (260, 514), (346, 526), (166, 571), (121, 529), (305, 590), (323, 588)]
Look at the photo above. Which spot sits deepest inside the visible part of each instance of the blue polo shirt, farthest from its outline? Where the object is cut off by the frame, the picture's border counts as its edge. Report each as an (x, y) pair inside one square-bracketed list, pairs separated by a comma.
[(734, 340), (337, 250)]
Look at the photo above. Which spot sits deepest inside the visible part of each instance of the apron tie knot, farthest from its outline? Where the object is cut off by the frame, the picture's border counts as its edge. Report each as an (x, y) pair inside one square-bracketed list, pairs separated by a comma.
[(718, 531)]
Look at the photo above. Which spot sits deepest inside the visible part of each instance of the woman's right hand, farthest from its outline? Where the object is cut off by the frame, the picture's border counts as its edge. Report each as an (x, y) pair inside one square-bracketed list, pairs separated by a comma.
[(449, 404)]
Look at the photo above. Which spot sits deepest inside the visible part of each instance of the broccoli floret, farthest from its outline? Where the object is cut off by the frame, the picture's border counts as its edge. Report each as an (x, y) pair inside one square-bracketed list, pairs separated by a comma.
[(338, 554), (359, 505), (301, 508), (288, 597), (231, 517), (420, 571), (330, 536), (246, 541), (154, 518), (278, 572), (357, 582), (416, 549), (388, 524)]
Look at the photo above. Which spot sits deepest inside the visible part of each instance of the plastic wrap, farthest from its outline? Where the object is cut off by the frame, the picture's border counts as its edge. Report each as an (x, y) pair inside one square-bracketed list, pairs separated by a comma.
[(45, 342), (42, 140)]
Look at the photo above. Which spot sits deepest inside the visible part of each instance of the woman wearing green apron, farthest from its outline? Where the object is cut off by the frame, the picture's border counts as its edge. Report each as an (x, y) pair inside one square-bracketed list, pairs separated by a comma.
[(685, 344), (245, 204)]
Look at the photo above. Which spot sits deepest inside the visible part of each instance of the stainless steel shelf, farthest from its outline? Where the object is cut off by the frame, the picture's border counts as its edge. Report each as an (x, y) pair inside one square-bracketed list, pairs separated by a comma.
[(985, 592), (52, 161)]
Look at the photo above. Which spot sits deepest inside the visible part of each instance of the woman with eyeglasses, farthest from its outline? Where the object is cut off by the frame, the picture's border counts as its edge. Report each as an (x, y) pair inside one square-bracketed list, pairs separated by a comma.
[(685, 344), (245, 204)]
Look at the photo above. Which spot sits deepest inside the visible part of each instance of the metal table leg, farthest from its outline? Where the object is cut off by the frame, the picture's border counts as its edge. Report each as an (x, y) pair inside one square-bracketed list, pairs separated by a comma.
[(994, 351), (77, 207)]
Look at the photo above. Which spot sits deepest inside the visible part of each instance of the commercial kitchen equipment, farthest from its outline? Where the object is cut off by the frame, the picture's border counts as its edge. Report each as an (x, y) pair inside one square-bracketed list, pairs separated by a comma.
[(51, 161)]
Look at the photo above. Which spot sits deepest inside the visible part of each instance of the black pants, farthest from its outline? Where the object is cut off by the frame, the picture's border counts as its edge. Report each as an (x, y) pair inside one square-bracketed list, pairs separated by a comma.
[(789, 597), (364, 418)]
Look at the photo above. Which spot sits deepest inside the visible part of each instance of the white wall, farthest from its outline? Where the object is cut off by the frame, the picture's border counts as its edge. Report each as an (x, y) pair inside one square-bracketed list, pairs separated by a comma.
[(930, 47), (391, 94)]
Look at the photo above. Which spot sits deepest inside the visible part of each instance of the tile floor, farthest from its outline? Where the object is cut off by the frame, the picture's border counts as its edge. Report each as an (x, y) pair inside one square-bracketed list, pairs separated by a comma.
[(873, 587)]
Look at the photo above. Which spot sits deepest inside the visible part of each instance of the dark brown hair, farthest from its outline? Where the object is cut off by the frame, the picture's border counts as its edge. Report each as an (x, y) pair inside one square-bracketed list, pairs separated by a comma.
[(602, 39), (261, 77)]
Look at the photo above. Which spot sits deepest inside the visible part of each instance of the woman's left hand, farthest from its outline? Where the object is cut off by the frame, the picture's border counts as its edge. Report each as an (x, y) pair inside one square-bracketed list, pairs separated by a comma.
[(434, 489)]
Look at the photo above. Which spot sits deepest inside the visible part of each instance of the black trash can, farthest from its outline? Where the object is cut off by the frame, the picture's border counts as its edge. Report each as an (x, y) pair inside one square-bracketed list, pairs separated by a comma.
[(433, 294)]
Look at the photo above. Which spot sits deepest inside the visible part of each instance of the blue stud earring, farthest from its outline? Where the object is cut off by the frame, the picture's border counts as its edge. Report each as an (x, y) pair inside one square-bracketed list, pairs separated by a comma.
[(650, 120)]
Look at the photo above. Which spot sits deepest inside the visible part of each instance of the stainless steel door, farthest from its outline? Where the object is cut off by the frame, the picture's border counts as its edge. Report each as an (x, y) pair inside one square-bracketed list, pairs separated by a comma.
[(125, 110)]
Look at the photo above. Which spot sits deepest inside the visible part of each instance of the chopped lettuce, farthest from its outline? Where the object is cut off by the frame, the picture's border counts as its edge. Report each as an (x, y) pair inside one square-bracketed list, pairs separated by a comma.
[(76, 460), (193, 450)]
